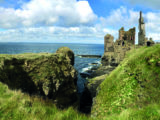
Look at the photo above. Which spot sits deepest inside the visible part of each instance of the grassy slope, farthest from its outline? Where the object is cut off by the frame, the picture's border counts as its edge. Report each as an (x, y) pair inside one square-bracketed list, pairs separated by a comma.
[(132, 90), (15, 105)]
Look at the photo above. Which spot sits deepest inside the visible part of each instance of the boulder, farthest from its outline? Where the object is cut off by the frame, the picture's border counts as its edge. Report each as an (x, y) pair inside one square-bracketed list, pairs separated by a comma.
[(45, 74)]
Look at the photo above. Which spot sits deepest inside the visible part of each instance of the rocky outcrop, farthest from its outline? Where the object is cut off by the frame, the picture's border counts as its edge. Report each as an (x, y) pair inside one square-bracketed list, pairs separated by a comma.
[(49, 75), (68, 53)]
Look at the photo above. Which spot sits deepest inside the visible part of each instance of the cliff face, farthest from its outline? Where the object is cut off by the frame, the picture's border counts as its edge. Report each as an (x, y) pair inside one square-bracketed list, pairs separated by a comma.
[(50, 75)]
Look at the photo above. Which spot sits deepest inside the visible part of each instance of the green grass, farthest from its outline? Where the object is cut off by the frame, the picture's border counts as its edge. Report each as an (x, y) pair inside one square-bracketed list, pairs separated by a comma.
[(24, 55), (15, 105), (132, 90)]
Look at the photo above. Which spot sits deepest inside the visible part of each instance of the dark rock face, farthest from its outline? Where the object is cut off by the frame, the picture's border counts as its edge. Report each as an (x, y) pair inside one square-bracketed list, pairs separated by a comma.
[(49, 75), (85, 101)]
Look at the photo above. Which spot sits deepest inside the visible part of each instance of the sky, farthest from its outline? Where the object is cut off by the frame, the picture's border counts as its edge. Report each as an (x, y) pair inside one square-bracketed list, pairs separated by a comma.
[(75, 21)]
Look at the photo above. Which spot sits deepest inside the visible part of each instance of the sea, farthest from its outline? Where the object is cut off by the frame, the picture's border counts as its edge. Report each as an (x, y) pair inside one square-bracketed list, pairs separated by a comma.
[(81, 64)]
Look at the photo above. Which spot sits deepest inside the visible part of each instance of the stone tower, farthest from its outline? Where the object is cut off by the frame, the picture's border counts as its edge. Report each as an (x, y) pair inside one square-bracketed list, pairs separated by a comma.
[(108, 43), (141, 33)]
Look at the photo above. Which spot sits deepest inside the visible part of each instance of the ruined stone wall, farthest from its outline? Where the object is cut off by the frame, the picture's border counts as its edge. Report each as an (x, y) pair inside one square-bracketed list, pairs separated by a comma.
[(127, 36), (108, 50), (109, 43), (114, 52)]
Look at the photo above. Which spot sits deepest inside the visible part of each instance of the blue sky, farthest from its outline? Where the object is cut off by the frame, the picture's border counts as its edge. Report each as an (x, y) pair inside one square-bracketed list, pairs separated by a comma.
[(74, 21)]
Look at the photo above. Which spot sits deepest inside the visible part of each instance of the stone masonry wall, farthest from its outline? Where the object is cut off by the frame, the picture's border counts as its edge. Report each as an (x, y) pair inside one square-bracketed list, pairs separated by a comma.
[(114, 52)]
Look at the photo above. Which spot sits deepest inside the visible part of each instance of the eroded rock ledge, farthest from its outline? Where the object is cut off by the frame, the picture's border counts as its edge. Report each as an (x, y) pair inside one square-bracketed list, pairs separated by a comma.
[(45, 74)]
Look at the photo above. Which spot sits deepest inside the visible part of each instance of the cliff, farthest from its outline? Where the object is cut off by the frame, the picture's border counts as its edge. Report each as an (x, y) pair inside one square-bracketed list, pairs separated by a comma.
[(45, 74)]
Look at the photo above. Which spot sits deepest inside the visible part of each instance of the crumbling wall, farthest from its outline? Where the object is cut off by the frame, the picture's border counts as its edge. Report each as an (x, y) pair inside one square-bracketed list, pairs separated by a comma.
[(109, 43), (114, 52), (127, 37), (109, 54)]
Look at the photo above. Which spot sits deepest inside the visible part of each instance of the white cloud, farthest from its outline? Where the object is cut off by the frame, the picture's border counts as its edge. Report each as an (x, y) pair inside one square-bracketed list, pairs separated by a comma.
[(81, 34), (69, 21), (153, 25), (150, 3), (153, 21), (48, 12), (8, 18), (120, 17)]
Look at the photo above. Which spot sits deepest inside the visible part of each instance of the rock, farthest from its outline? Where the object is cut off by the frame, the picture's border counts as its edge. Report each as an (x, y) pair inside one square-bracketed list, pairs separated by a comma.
[(68, 52), (49, 75), (94, 68), (90, 56), (93, 64), (89, 71), (85, 75)]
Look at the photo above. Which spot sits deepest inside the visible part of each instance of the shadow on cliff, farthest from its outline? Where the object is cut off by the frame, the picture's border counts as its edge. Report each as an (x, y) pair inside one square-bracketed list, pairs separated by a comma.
[(85, 102), (14, 75)]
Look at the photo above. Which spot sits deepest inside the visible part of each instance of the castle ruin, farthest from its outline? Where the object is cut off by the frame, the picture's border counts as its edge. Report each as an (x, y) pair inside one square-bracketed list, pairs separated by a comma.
[(114, 52)]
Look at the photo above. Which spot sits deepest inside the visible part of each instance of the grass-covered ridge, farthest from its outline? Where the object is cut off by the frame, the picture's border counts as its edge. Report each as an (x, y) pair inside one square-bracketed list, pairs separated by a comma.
[(132, 90)]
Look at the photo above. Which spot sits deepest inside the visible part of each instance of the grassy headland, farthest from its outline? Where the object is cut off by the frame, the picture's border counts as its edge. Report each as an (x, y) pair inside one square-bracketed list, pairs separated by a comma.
[(130, 92)]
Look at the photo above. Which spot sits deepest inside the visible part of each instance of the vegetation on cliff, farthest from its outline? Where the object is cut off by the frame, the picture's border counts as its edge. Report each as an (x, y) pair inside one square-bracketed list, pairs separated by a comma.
[(49, 75), (132, 90), (15, 105)]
